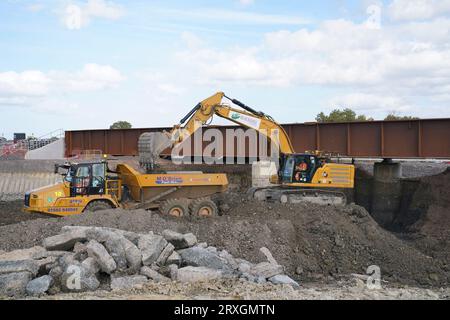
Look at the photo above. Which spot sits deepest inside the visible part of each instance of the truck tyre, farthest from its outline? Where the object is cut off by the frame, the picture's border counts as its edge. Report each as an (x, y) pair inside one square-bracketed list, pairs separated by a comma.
[(203, 207), (97, 206), (175, 207)]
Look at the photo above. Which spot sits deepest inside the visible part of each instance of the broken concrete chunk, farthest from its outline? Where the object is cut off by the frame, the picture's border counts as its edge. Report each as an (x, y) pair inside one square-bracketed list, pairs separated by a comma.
[(45, 264), (229, 259), (194, 274), (39, 285), (151, 247), (77, 278), (122, 250), (174, 258), (91, 265), (248, 277), (132, 236), (266, 270), (244, 267), (121, 283), (190, 239), (101, 256), (211, 249), (199, 257), (66, 259), (165, 254), (132, 254), (80, 251), (173, 271), (30, 266), (153, 275), (202, 245), (114, 247), (14, 284), (268, 255), (178, 240), (65, 241), (283, 279), (36, 252)]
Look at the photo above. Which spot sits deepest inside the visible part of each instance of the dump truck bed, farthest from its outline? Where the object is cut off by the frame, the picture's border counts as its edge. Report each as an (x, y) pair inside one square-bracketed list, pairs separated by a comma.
[(163, 186)]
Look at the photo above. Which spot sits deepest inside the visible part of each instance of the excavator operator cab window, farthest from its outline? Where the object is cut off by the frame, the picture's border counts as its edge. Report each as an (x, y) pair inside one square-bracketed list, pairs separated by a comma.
[(288, 171), (299, 168)]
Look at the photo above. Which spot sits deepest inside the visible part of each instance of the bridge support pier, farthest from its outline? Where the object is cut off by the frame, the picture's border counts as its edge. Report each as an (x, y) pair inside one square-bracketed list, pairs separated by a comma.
[(387, 191)]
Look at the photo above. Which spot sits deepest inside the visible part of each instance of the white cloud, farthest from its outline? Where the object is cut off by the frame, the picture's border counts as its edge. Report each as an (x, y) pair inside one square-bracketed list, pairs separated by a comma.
[(35, 88), (77, 16), (365, 102), (402, 10), (389, 68), (91, 77), (27, 83)]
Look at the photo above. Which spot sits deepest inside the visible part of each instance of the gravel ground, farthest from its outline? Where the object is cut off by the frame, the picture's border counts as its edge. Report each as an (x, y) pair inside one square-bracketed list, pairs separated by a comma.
[(349, 289), (11, 212), (312, 242)]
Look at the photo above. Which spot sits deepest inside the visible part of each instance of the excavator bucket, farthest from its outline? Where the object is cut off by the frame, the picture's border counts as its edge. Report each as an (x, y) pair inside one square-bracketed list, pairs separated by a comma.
[(150, 146)]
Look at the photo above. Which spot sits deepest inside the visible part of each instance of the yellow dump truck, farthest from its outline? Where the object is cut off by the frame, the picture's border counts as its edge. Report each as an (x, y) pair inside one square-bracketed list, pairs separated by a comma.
[(92, 186)]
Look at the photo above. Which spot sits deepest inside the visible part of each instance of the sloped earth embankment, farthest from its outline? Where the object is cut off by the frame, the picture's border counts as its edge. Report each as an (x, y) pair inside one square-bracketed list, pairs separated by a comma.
[(312, 242)]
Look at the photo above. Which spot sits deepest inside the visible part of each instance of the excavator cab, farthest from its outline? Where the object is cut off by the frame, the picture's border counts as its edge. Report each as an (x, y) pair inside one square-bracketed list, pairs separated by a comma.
[(299, 168)]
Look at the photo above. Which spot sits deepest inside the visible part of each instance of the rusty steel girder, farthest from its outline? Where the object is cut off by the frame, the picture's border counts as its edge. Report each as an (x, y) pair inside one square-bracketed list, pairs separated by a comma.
[(424, 138)]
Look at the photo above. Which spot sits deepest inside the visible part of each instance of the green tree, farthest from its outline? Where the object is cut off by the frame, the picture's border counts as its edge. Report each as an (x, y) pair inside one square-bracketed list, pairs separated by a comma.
[(345, 115), (395, 116), (121, 125)]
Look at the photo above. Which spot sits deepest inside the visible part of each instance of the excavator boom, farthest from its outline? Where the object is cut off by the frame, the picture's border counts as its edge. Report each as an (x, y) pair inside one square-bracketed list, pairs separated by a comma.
[(152, 144)]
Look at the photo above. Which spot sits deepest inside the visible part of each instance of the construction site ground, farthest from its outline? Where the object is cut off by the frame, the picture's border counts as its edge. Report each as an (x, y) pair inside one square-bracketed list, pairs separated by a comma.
[(326, 249)]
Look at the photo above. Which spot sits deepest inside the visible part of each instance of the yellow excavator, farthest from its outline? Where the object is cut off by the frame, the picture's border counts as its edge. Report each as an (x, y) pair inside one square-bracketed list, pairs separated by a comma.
[(309, 176)]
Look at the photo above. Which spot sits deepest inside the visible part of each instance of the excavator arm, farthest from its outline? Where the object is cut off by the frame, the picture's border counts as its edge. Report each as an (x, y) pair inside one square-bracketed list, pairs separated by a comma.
[(152, 144), (248, 118)]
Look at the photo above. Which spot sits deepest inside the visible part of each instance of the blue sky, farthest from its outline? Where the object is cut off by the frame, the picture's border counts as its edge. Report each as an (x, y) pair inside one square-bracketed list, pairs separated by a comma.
[(87, 63)]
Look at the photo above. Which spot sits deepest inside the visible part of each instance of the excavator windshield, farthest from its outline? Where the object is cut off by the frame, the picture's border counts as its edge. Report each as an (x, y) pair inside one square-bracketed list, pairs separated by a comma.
[(299, 168)]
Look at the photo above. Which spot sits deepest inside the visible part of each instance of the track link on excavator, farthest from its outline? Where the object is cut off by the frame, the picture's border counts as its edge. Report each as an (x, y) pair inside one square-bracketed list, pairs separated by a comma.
[(291, 195)]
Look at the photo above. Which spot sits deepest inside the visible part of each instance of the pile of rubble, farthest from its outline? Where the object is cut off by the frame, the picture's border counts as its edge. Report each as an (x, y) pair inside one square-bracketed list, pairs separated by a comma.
[(90, 258)]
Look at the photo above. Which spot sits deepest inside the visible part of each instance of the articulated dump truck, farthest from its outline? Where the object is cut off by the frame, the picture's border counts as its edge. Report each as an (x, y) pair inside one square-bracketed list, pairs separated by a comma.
[(92, 186)]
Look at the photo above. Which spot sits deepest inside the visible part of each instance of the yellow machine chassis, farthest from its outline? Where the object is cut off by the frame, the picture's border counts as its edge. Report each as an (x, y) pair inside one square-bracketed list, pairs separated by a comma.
[(143, 188)]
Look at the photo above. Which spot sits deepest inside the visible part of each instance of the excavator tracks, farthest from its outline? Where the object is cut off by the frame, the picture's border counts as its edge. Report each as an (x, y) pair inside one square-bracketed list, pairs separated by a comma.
[(290, 195)]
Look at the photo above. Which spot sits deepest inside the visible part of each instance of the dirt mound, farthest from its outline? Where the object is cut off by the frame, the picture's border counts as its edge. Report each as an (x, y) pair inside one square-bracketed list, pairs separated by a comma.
[(10, 213), (313, 242)]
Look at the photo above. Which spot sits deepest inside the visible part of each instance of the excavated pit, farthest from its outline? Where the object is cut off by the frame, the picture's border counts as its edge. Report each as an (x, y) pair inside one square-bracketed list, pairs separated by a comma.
[(409, 198)]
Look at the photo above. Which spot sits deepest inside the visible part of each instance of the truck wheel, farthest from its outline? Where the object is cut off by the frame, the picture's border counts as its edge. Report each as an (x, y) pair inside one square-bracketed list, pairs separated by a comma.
[(97, 206), (174, 207), (203, 207)]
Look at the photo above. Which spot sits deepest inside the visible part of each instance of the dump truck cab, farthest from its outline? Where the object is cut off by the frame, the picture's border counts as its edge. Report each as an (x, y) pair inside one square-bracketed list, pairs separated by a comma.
[(85, 186)]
